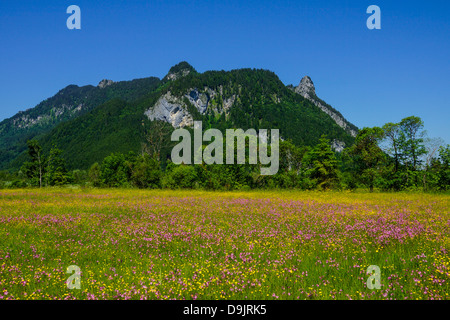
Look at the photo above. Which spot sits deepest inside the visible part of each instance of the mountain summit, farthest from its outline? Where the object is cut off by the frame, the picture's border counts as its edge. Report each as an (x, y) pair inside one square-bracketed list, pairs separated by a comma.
[(179, 70), (104, 83), (306, 88)]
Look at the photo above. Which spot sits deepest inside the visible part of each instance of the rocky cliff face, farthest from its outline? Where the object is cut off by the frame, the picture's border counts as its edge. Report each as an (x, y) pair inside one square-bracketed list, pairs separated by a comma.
[(174, 110), (337, 145), (104, 83), (24, 120), (179, 70), (306, 89), (176, 75)]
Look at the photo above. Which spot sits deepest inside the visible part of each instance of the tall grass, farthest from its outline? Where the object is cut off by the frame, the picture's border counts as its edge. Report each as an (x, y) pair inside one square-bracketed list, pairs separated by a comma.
[(141, 244)]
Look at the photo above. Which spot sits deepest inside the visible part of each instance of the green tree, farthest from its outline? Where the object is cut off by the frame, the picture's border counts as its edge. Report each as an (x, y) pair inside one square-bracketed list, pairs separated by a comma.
[(290, 157), (367, 156), (431, 163), (289, 173), (392, 137), (146, 172), (155, 137), (322, 165), (115, 170), (55, 173), (79, 176), (179, 176), (34, 169), (444, 169), (94, 174), (411, 141)]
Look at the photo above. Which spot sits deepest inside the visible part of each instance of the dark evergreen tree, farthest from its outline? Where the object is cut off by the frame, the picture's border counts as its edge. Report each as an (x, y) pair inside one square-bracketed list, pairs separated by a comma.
[(55, 173), (34, 169), (322, 166)]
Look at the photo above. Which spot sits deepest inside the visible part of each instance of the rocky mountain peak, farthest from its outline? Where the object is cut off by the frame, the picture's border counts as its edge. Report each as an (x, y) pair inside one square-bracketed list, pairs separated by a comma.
[(307, 90), (306, 87), (179, 70), (104, 83)]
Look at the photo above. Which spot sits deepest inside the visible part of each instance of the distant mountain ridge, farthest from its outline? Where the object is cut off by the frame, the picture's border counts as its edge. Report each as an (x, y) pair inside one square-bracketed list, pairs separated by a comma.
[(69, 103), (89, 122)]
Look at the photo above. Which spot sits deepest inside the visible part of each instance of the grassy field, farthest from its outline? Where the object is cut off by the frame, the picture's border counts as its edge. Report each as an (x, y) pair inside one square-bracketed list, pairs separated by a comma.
[(133, 244)]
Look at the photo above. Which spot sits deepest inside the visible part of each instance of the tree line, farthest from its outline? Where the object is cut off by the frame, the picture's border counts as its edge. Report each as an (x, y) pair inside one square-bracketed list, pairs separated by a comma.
[(395, 157)]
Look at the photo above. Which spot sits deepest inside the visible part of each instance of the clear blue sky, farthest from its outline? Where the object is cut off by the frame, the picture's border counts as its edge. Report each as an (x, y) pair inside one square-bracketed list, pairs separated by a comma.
[(370, 76)]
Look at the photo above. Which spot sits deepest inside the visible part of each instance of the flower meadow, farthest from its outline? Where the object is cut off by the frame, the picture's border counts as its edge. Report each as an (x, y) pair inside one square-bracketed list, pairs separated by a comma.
[(143, 244)]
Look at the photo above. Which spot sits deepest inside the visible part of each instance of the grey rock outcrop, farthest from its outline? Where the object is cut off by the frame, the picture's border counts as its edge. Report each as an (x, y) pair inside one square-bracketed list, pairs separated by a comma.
[(174, 110), (198, 100), (170, 109), (24, 120), (176, 75), (338, 145), (307, 90), (104, 83)]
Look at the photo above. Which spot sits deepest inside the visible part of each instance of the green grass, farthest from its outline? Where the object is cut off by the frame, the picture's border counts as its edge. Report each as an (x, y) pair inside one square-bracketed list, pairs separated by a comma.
[(142, 244)]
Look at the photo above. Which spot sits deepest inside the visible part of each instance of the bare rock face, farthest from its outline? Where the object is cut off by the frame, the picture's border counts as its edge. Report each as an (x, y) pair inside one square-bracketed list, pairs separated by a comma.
[(177, 75), (104, 83), (338, 145), (174, 109), (307, 90), (198, 100), (170, 109), (179, 70), (27, 121)]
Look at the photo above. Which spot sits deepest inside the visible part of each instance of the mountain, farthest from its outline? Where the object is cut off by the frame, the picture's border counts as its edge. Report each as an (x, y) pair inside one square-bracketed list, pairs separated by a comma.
[(69, 103), (307, 90), (88, 123)]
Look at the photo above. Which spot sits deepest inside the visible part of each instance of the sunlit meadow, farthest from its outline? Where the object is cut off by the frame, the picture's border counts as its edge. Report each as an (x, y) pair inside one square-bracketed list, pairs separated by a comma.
[(134, 244)]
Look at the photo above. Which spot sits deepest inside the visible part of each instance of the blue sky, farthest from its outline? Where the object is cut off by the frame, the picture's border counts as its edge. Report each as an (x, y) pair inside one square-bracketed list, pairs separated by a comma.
[(370, 76)]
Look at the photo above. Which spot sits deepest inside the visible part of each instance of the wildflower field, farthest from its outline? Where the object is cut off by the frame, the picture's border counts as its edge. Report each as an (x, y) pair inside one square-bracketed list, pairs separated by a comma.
[(143, 244)]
